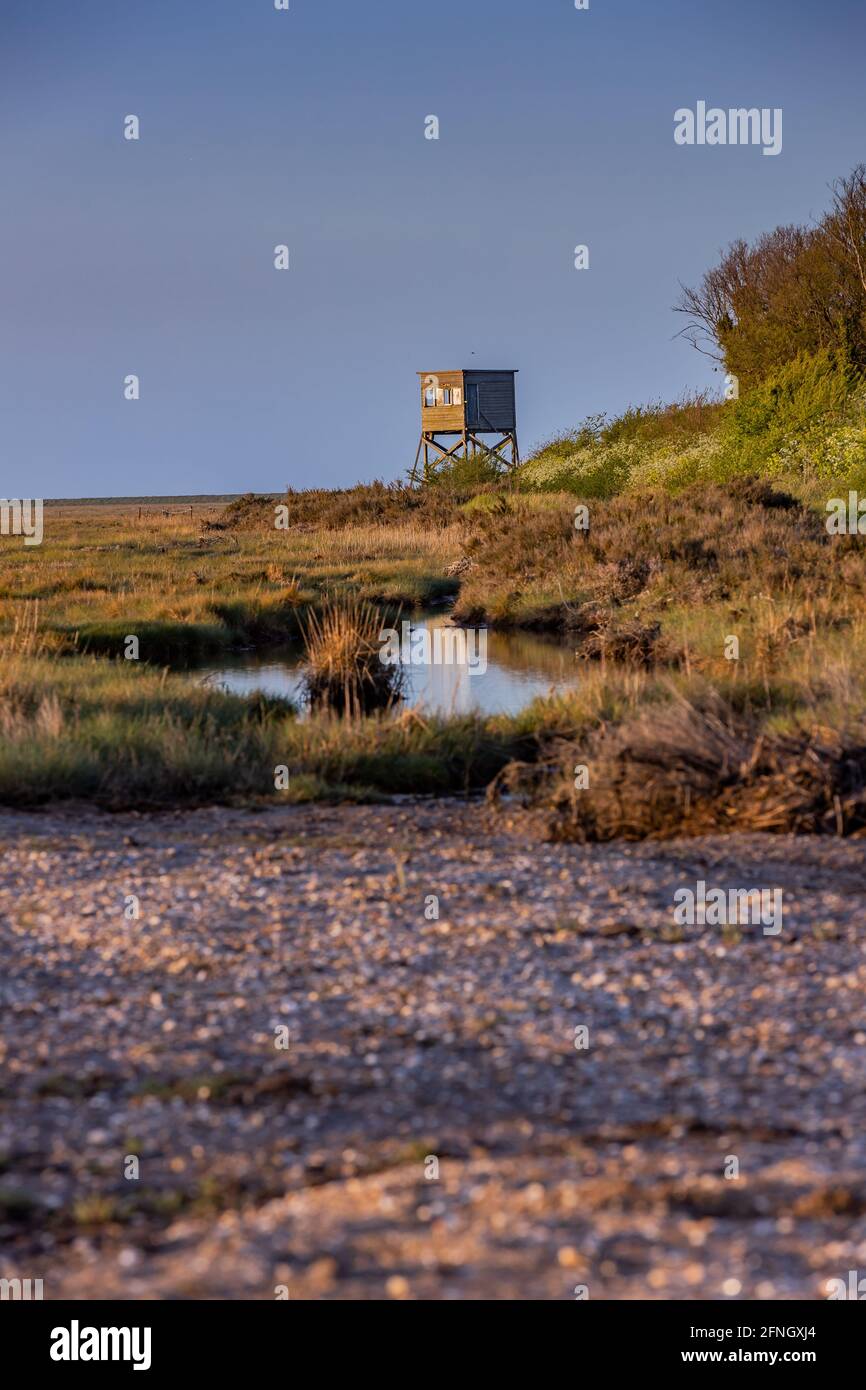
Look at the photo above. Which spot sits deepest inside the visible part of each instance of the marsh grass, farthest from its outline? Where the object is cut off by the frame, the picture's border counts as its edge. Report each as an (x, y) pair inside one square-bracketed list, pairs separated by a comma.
[(647, 599), (25, 637), (123, 735), (343, 672), (776, 747), (187, 591), (744, 557)]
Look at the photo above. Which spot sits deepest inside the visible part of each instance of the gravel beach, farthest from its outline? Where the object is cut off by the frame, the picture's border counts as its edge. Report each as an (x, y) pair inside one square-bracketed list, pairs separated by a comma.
[(431, 1129)]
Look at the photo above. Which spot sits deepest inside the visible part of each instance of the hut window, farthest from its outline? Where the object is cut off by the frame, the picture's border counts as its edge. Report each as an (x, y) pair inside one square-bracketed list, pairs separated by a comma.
[(442, 395)]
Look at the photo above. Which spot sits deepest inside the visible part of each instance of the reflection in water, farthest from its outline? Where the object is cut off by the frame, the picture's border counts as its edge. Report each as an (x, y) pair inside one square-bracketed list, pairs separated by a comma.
[(520, 666)]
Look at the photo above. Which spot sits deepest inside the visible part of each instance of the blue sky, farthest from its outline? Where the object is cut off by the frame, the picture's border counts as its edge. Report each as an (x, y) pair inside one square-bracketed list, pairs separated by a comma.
[(261, 127)]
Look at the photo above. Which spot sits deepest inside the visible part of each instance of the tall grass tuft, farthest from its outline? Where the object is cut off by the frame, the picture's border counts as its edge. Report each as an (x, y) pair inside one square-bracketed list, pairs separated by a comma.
[(25, 638), (343, 672)]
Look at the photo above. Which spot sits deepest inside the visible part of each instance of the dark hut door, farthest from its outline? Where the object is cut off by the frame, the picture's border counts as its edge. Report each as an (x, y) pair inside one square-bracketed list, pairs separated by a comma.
[(472, 405), (483, 422)]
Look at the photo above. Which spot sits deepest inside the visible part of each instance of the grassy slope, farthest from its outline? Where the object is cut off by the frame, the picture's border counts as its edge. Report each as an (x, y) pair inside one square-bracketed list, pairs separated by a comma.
[(804, 429)]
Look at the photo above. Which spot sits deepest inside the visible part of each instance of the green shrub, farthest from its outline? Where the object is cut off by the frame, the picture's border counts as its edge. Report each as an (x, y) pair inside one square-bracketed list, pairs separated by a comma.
[(806, 423), (590, 471), (492, 502), (468, 472), (604, 457), (810, 393), (690, 418), (707, 460)]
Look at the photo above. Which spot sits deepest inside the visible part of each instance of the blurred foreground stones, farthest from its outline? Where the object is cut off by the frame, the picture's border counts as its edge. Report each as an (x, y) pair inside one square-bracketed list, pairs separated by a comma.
[(412, 1039)]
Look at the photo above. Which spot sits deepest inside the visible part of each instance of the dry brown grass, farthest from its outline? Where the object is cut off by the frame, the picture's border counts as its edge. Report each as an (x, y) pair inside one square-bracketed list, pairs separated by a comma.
[(656, 554), (372, 544), (687, 768), (25, 638), (367, 504)]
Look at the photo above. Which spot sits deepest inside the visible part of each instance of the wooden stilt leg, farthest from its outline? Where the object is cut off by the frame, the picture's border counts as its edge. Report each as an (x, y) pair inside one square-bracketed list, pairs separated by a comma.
[(413, 476)]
